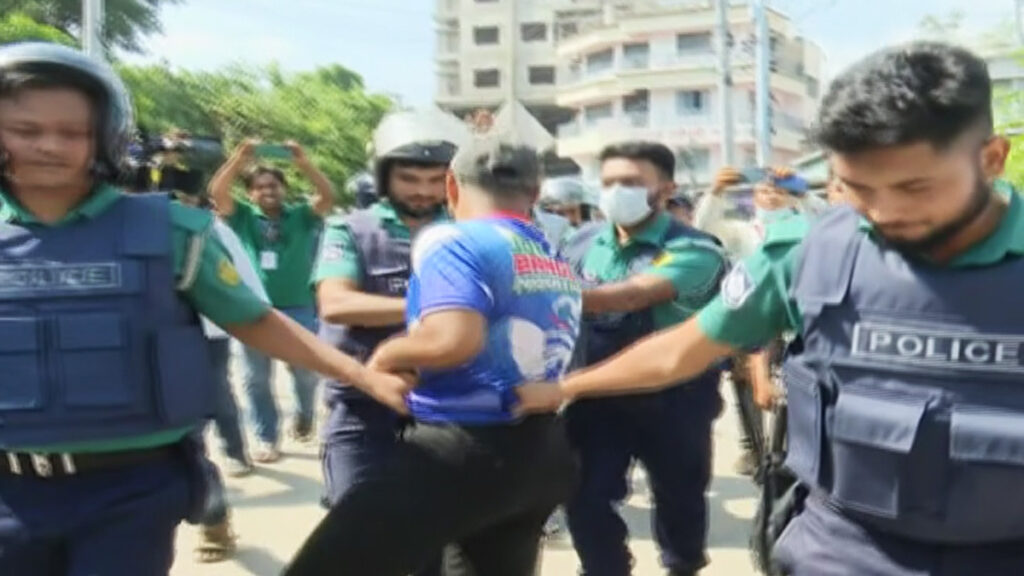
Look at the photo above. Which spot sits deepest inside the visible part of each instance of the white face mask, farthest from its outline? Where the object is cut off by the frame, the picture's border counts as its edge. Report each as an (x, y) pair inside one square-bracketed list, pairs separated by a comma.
[(625, 205)]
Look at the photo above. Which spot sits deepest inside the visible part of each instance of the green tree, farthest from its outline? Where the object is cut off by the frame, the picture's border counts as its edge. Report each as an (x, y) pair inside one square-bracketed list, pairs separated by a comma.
[(327, 110), (19, 27), (126, 22)]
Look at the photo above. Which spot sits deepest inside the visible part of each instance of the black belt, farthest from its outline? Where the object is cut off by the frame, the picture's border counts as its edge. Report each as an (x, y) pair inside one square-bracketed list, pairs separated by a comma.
[(36, 465)]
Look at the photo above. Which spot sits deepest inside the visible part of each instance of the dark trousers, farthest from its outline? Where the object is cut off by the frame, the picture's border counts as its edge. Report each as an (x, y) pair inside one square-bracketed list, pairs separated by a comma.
[(488, 489), (104, 523), (669, 433)]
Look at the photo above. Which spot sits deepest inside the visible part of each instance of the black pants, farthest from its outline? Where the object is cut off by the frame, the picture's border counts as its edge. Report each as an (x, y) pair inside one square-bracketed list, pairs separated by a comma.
[(488, 489)]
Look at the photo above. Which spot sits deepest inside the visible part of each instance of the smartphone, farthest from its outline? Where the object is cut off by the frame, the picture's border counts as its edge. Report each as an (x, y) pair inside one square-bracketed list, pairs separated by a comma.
[(273, 151)]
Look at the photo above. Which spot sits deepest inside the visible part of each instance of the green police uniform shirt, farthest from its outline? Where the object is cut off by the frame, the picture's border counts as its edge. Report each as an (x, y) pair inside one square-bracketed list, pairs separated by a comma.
[(339, 258), (693, 266), (755, 304), (282, 250), (206, 280)]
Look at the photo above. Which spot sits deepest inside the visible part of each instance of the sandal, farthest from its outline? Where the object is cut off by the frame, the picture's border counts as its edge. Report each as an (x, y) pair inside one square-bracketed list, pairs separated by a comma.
[(216, 543)]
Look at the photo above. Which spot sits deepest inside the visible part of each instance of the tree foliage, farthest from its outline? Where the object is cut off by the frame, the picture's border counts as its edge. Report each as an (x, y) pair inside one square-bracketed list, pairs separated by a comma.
[(126, 22), (19, 27), (327, 110)]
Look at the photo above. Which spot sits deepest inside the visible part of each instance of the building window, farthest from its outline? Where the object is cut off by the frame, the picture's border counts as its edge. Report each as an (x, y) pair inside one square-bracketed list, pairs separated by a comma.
[(600, 61), (691, 102), (694, 44), (696, 161), (592, 114), (534, 32), (486, 1), (489, 78), (813, 87), (567, 30), (542, 75), (636, 107), (636, 55), (485, 35)]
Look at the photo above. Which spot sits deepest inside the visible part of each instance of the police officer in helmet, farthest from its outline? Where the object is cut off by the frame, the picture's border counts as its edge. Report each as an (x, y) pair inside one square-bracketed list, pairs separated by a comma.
[(905, 405), (363, 190), (361, 276), (105, 373)]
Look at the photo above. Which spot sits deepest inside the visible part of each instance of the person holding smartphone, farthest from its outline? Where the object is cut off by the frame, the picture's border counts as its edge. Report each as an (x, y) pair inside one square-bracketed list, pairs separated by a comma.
[(280, 237)]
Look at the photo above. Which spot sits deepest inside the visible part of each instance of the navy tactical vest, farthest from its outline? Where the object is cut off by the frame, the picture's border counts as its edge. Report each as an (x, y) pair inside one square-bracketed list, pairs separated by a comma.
[(602, 336), (386, 266), (95, 343), (906, 403)]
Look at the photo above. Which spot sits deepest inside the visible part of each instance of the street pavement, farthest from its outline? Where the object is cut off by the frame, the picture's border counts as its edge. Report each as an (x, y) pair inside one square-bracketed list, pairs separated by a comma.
[(275, 508)]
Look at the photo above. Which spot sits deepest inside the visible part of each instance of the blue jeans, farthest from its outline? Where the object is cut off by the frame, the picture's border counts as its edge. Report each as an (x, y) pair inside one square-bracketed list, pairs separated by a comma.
[(256, 380), (225, 416)]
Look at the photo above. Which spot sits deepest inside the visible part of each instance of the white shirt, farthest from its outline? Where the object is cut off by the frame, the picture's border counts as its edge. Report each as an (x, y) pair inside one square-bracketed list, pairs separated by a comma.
[(740, 238), (246, 272)]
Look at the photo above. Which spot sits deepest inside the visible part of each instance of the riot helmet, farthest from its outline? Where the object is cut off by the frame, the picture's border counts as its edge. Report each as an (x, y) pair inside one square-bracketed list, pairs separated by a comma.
[(418, 138), (112, 106), (362, 189), (565, 196)]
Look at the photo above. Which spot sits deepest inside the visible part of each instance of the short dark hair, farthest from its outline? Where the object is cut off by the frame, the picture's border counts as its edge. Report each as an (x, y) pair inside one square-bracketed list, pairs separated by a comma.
[(497, 167), (919, 92), (656, 153), (249, 178)]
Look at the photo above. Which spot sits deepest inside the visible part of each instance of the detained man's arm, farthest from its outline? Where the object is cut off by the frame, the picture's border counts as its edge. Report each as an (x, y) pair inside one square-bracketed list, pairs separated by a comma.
[(444, 339)]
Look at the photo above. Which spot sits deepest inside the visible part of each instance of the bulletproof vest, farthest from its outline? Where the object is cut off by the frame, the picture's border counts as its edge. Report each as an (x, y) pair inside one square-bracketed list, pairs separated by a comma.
[(906, 401), (386, 266), (603, 335), (95, 344)]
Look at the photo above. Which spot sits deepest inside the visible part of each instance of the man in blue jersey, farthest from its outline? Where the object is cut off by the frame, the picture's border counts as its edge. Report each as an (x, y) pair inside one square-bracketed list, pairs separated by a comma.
[(489, 307)]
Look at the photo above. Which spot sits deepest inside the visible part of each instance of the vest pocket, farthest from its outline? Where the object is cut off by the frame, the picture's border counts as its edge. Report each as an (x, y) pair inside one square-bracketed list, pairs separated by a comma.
[(873, 435), (986, 450), (184, 390), (803, 421), (93, 362), (21, 376)]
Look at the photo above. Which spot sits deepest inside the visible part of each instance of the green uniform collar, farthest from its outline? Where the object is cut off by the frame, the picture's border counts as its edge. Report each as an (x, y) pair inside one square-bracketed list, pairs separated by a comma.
[(94, 205), (1006, 240), (653, 233)]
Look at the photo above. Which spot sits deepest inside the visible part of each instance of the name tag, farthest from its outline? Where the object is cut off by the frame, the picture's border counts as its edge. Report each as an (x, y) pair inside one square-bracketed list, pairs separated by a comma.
[(59, 277), (939, 347), (268, 260)]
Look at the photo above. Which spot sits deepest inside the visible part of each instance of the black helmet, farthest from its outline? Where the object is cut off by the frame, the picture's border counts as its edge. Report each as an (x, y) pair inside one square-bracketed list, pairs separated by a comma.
[(362, 188), (115, 125), (428, 137)]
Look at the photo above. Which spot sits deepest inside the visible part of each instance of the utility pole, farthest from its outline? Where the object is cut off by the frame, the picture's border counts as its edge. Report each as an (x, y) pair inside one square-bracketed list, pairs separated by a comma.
[(1018, 14), (725, 81), (92, 28), (763, 83)]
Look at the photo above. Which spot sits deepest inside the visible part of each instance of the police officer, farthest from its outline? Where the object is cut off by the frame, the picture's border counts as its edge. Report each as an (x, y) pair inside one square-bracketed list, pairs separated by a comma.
[(105, 372), (904, 398), (361, 276), (642, 271), (566, 197), (489, 307), (363, 190)]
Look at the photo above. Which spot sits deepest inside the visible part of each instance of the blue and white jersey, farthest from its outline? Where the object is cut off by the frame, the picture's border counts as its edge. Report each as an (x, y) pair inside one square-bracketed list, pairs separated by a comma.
[(504, 269)]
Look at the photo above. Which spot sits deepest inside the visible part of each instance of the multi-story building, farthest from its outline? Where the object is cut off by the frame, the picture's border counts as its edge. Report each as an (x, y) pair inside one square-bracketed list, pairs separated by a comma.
[(491, 51), (599, 71), (651, 72)]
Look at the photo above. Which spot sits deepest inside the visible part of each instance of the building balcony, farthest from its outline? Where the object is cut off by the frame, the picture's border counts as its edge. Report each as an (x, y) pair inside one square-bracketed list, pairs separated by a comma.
[(584, 137)]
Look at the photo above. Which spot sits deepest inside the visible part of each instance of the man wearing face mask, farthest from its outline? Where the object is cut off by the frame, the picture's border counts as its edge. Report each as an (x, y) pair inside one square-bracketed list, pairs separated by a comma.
[(905, 404), (642, 271)]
